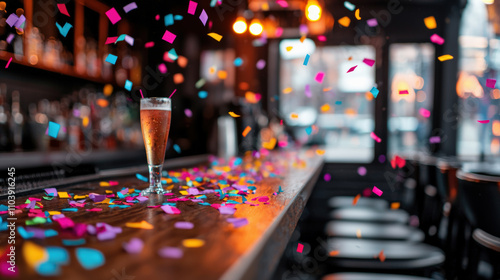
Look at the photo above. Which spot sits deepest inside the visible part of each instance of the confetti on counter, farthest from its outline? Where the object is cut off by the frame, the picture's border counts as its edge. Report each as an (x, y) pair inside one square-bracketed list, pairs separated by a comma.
[(491, 83), (129, 7), (445, 57), (184, 225), (62, 8), (170, 209), (300, 248), (134, 246), (377, 191), (193, 243), (113, 16), (430, 22), (142, 225), (89, 258), (170, 253), (483, 121)]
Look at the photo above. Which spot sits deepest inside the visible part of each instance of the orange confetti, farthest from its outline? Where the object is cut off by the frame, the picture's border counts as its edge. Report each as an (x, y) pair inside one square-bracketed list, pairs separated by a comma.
[(294, 115), (350, 58), (320, 152), (246, 131), (355, 200), (252, 97), (269, 145), (302, 38), (101, 102), (333, 253), (289, 48), (327, 89), (211, 70), (345, 21), (325, 108), (381, 256), (143, 225), (182, 61), (395, 205), (222, 74), (430, 22), (287, 90), (358, 233), (234, 115), (178, 78), (445, 57)]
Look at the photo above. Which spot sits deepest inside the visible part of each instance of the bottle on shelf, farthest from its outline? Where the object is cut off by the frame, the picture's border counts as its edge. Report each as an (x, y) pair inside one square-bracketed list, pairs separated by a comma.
[(5, 141), (16, 122)]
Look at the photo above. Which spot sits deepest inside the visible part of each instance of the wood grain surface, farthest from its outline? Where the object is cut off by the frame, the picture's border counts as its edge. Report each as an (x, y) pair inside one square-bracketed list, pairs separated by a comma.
[(248, 252)]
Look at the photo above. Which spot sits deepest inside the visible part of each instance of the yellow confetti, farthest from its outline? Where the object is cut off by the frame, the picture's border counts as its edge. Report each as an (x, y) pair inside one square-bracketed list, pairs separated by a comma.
[(395, 205), (143, 225), (63, 195), (216, 36), (193, 243), (246, 131), (269, 145), (109, 191), (358, 233), (445, 57), (79, 196), (294, 115), (430, 22), (356, 14), (222, 74), (345, 21), (183, 192), (85, 121), (302, 38), (320, 152), (34, 254), (325, 108), (287, 90), (211, 70), (289, 48), (104, 184), (54, 212), (232, 114)]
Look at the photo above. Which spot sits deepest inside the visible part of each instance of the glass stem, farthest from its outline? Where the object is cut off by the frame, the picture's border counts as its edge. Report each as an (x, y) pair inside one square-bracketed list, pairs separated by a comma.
[(155, 177)]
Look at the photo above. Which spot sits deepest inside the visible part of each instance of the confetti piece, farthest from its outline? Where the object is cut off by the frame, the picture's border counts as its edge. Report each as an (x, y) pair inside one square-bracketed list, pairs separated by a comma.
[(358, 233), (355, 200), (142, 224), (216, 36), (430, 22), (89, 258), (345, 21), (306, 60), (319, 77), (435, 140), (113, 16), (128, 85), (369, 62), (325, 108), (168, 20), (34, 254), (260, 64), (327, 177), (238, 62), (8, 63), (333, 253), (445, 57), (437, 39), (53, 129), (64, 30), (320, 152), (193, 243), (489, 82), (372, 22), (111, 59), (395, 205), (375, 137), (303, 38), (184, 225), (352, 68), (12, 19), (129, 7), (142, 95), (140, 177), (374, 91), (294, 116), (62, 9), (188, 113), (172, 93), (483, 121), (278, 32), (134, 246), (287, 90), (192, 7), (246, 131), (63, 195), (403, 92), (170, 209), (203, 17), (398, 161), (377, 191), (110, 40), (289, 48), (322, 38), (169, 36), (307, 91), (10, 38), (300, 247), (177, 148), (202, 94), (362, 171), (73, 242), (424, 112), (282, 3), (170, 253), (381, 256), (350, 6), (234, 115)]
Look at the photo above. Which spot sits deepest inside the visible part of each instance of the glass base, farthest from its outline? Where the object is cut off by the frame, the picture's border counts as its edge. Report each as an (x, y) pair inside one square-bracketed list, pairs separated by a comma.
[(154, 181), (153, 190)]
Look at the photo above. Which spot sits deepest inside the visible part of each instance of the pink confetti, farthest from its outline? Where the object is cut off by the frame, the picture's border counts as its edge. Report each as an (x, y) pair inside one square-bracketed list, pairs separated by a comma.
[(369, 62), (169, 36), (192, 7), (188, 113), (322, 38), (491, 83), (278, 32), (184, 225), (437, 39), (282, 3), (110, 40), (157, 17), (149, 44), (170, 209), (403, 92), (319, 77), (8, 63), (261, 63), (352, 69), (226, 210), (62, 9), (372, 22), (375, 137), (172, 93), (483, 121), (162, 68), (134, 246), (327, 177), (377, 191), (94, 210), (140, 90), (362, 171), (113, 15), (424, 112), (300, 247), (435, 139)]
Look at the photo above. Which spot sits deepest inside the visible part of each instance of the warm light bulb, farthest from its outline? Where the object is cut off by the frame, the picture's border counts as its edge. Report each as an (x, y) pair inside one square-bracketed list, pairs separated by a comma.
[(240, 25), (313, 11), (256, 27)]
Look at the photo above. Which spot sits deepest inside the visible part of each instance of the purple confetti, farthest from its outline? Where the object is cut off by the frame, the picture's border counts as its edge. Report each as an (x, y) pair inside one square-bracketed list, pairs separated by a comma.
[(307, 91), (362, 171), (435, 139), (372, 22), (12, 19), (130, 7), (134, 246), (327, 177), (204, 17), (193, 191), (238, 222), (10, 37), (261, 63), (188, 113), (170, 252), (227, 210), (20, 21), (184, 225)]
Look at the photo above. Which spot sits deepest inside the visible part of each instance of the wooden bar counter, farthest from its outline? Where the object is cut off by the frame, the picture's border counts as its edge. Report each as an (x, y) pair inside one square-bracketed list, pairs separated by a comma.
[(230, 252)]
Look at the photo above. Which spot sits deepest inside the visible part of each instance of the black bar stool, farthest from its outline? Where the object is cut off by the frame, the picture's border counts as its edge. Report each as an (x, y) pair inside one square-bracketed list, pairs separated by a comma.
[(370, 276), (374, 231), (347, 201)]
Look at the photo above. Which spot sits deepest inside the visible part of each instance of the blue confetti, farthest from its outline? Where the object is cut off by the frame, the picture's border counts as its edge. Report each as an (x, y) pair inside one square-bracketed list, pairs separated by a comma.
[(128, 85), (238, 62), (172, 54), (202, 94), (140, 177), (309, 130), (73, 242), (306, 60), (111, 59), (338, 102), (53, 129), (177, 148), (350, 6), (178, 17), (374, 91), (169, 19), (89, 258)]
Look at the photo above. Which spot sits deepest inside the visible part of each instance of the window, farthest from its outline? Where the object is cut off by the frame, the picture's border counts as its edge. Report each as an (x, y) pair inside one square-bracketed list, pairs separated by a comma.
[(335, 111)]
